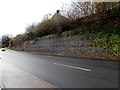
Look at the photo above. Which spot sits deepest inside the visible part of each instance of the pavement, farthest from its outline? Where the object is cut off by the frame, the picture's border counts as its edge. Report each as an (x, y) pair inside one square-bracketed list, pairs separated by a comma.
[(13, 77)]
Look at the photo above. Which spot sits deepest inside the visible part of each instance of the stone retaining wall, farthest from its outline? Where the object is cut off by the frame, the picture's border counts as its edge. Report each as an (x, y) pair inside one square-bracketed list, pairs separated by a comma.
[(65, 46)]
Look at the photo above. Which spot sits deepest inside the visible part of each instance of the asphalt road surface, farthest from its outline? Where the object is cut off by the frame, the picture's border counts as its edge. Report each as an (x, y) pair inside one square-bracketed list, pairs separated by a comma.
[(66, 72)]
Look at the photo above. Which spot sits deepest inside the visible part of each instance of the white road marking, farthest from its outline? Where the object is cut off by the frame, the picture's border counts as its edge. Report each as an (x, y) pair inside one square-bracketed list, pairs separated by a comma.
[(73, 67)]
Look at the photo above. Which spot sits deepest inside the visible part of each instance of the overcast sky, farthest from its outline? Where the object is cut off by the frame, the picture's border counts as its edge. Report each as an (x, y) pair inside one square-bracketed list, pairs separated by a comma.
[(16, 15)]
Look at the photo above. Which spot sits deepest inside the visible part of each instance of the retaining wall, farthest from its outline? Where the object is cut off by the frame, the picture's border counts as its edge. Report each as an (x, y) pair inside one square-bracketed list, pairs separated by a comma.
[(65, 46)]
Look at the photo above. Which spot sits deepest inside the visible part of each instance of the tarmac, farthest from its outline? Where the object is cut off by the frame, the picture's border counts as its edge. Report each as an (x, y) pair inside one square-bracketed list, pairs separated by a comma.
[(13, 77)]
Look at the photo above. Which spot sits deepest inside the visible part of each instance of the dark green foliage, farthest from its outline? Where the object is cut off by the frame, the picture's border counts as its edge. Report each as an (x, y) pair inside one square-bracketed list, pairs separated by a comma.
[(5, 41), (109, 42)]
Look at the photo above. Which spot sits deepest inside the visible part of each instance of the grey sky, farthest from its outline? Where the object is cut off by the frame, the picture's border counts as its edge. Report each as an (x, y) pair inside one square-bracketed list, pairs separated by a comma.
[(16, 15)]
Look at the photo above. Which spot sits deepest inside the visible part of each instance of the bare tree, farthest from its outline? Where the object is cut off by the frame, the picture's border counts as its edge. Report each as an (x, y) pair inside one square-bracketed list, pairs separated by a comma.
[(47, 16), (81, 9)]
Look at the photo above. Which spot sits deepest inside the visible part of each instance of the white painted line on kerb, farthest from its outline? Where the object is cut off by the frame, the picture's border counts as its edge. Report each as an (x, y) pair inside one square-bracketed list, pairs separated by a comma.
[(73, 67)]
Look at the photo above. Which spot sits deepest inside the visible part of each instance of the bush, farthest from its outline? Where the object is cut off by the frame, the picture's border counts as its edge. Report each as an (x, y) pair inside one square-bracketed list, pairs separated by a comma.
[(109, 42)]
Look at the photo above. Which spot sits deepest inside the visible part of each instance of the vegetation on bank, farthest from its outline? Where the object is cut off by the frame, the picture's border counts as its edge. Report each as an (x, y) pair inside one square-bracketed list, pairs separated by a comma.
[(98, 22), (107, 40)]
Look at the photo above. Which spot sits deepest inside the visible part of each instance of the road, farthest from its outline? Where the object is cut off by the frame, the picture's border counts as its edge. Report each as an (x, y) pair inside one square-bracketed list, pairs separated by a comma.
[(66, 72)]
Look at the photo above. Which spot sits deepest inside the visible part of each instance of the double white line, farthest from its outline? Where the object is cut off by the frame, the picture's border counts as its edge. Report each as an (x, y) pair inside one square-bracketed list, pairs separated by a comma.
[(88, 70)]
